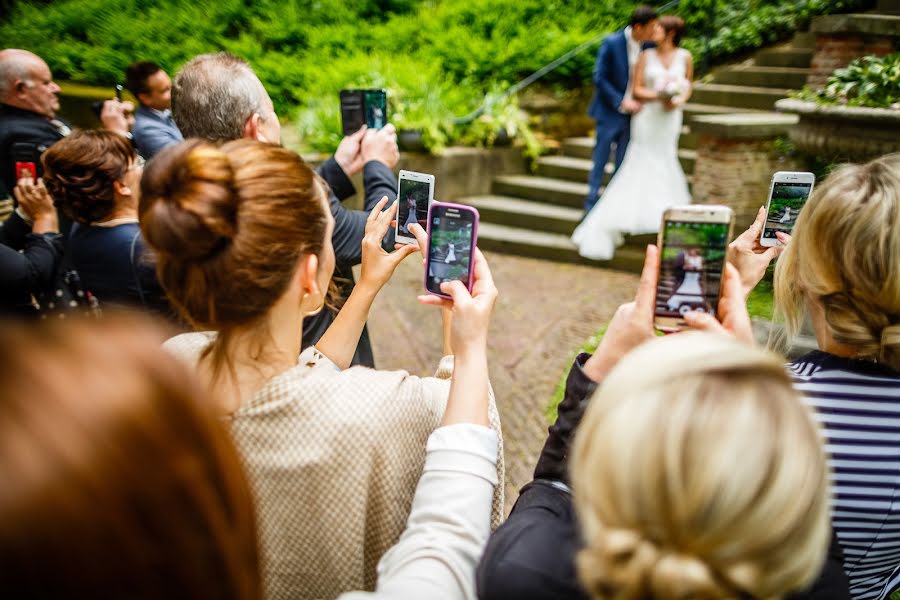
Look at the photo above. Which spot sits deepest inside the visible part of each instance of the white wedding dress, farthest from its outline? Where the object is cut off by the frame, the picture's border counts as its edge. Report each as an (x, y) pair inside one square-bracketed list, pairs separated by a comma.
[(650, 179)]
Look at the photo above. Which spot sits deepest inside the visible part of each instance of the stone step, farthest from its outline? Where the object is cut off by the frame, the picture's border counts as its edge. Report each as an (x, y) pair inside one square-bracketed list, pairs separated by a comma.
[(579, 169), (583, 147), (515, 212), (550, 246), (738, 96), (805, 40), (785, 57), (569, 167), (694, 109), (767, 77), (541, 189)]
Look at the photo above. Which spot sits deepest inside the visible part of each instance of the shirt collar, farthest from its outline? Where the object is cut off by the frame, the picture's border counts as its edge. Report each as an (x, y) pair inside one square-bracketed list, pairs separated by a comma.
[(165, 114), (630, 38)]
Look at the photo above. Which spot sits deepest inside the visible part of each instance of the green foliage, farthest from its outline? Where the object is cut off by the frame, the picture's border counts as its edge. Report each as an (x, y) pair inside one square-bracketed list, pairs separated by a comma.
[(437, 58), (870, 81), (589, 346)]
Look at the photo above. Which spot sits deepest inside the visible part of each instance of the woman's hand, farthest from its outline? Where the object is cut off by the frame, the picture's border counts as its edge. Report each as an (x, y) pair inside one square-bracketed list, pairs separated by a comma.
[(734, 320), (378, 265), (749, 257), (37, 204), (631, 326)]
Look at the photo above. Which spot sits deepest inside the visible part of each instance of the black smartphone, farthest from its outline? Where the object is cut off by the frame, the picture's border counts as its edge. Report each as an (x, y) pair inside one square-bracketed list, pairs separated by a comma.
[(363, 107), (452, 233)]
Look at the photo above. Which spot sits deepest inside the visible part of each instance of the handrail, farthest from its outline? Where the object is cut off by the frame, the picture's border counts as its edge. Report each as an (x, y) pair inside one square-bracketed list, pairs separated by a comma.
[(547, 68)]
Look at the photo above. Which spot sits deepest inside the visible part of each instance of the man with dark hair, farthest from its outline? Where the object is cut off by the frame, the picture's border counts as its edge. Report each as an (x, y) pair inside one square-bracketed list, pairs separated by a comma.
[(154, 127), (218, 97), (612, 105)]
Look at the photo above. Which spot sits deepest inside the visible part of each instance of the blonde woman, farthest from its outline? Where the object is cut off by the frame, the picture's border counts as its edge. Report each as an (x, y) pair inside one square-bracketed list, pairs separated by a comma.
[(703, 477), (733, 388), (842, 271)]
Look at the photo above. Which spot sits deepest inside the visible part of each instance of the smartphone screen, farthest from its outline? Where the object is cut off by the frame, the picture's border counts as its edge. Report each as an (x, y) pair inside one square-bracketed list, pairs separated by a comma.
[(26, 169), (784, 207), (353, 114), (375, 102), (451, 244), (691, 265), (412, 198)]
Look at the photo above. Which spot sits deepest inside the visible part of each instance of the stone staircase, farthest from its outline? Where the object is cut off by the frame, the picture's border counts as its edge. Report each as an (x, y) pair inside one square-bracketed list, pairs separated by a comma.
[(534, 215)]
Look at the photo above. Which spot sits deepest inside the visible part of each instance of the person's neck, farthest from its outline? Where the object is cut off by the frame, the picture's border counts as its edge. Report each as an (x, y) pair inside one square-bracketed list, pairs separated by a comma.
[(11, 102), (824, 339), (122, 213), (665, 48), (259, 352)]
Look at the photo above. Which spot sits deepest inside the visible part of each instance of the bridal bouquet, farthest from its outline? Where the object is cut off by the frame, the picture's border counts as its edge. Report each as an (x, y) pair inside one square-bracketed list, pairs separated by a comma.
[(670, 87)]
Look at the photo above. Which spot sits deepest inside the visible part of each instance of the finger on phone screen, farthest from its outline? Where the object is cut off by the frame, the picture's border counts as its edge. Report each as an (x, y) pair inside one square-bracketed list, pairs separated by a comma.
[(419, 233), (703, 322), (456, 290), (646, 294)]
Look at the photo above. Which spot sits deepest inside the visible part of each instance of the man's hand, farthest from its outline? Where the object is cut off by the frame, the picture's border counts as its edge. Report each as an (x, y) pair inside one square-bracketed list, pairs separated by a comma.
[(631, 106), (348, 154), (114, 116), (749, 257), (381, 145)]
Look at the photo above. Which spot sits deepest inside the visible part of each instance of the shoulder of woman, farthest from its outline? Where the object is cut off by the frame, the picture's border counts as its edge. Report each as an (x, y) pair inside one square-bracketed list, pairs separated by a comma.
[(188, 347)]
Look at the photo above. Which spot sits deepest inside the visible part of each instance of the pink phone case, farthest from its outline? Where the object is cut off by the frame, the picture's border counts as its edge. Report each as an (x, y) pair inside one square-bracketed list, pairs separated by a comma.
[(461, 208)]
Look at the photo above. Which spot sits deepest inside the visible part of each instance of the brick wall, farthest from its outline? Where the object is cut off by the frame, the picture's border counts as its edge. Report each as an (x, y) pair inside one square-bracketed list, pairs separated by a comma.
[(736, 173), (835, 51)]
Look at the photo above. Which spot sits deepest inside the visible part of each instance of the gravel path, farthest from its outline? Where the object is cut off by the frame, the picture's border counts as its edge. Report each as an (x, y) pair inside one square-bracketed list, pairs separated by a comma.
[(545, 312)]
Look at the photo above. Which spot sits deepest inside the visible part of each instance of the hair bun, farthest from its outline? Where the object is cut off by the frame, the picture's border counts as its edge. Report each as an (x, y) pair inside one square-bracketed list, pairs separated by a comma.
[(625, 566), (188, 201)]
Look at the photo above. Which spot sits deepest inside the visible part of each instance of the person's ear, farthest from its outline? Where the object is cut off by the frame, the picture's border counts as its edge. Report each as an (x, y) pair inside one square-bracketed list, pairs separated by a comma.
[(306, 284), (142, 98), (122, 189), (253, 128)]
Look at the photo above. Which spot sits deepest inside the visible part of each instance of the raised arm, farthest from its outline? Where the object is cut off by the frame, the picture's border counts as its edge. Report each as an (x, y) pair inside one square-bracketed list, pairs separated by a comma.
[(340, 340)]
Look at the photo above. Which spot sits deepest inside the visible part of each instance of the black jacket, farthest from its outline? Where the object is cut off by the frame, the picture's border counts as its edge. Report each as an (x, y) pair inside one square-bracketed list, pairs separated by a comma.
[(349, 229), (532, 555), (27, 272), (30, 134)]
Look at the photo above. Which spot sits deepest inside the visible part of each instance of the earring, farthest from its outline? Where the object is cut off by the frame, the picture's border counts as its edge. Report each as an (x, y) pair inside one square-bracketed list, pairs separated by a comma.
[(314, 312)]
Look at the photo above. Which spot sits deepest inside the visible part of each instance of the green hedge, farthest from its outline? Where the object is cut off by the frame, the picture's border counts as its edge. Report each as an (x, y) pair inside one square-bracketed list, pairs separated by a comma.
[(438, 58)]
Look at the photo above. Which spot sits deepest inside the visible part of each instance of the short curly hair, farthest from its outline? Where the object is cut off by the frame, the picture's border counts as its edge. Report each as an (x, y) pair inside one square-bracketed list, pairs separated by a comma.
[(80, 170)]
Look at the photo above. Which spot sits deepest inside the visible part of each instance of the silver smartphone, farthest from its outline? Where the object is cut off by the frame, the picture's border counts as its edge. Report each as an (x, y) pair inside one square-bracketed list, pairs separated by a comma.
[(693, 242), (415, 191), (787, 195)]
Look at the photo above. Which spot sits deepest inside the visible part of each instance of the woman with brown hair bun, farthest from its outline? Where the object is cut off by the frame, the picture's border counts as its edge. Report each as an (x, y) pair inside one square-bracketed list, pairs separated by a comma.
[(242, 237), (94, 177), (117, 480)]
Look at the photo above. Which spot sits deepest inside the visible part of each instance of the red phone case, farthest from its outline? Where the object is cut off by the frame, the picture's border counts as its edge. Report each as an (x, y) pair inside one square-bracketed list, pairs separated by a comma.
[(460, 207), (26, 166)]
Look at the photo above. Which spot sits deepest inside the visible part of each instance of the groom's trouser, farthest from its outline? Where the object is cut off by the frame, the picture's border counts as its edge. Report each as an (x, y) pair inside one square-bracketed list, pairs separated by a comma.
[(618, 131)]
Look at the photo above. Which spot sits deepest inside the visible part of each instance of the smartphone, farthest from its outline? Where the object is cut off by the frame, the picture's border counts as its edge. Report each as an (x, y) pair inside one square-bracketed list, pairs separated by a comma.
[(415, 191), (363, 107), (787, 195), (30, 167), (452, 233), (693, 242)]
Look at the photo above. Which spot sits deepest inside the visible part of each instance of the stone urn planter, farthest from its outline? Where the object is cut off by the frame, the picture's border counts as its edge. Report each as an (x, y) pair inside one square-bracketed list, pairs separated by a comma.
[(843, 132)]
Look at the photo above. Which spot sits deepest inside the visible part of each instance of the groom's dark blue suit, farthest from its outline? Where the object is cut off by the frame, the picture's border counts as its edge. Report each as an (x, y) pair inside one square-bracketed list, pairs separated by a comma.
[(611, 74)]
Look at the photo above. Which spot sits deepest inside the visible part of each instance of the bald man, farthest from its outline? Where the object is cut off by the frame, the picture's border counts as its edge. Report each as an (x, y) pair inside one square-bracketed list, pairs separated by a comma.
[(28, 121)]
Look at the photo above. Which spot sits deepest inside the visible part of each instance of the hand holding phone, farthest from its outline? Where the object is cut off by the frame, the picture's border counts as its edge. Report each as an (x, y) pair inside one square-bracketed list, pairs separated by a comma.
[(693, 246), (732, 318)]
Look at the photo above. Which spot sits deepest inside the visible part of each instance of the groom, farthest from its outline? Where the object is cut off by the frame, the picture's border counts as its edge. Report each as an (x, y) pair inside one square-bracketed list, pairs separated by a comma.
[(612, 105)]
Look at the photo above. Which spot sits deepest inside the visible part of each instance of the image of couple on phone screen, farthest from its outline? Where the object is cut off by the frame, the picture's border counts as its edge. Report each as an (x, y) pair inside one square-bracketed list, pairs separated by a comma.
[(450, 251), (690, 269)]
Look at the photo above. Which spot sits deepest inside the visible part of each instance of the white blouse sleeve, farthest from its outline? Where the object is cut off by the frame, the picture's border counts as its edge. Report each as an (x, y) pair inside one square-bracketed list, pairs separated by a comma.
[(449, 523)]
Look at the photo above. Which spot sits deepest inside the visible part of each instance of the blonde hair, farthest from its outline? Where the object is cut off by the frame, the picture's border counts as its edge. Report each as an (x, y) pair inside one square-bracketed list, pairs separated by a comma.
[(703, 476), (845, 254)]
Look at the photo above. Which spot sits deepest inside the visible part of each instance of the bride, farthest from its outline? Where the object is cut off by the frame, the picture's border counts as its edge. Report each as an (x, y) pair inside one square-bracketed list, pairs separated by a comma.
[(650, 179)]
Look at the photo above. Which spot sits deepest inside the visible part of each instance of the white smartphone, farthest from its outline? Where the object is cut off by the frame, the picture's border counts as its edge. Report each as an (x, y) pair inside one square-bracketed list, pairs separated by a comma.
[(787, 195), (415, 191), (693, 241)]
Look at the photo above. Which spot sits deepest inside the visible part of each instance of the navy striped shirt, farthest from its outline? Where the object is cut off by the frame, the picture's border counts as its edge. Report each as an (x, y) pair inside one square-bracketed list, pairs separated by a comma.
[(858, 405)]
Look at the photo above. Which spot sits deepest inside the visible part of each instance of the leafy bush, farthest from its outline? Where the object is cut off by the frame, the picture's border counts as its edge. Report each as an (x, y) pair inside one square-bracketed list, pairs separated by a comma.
[(871, 81), (437, 58)]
